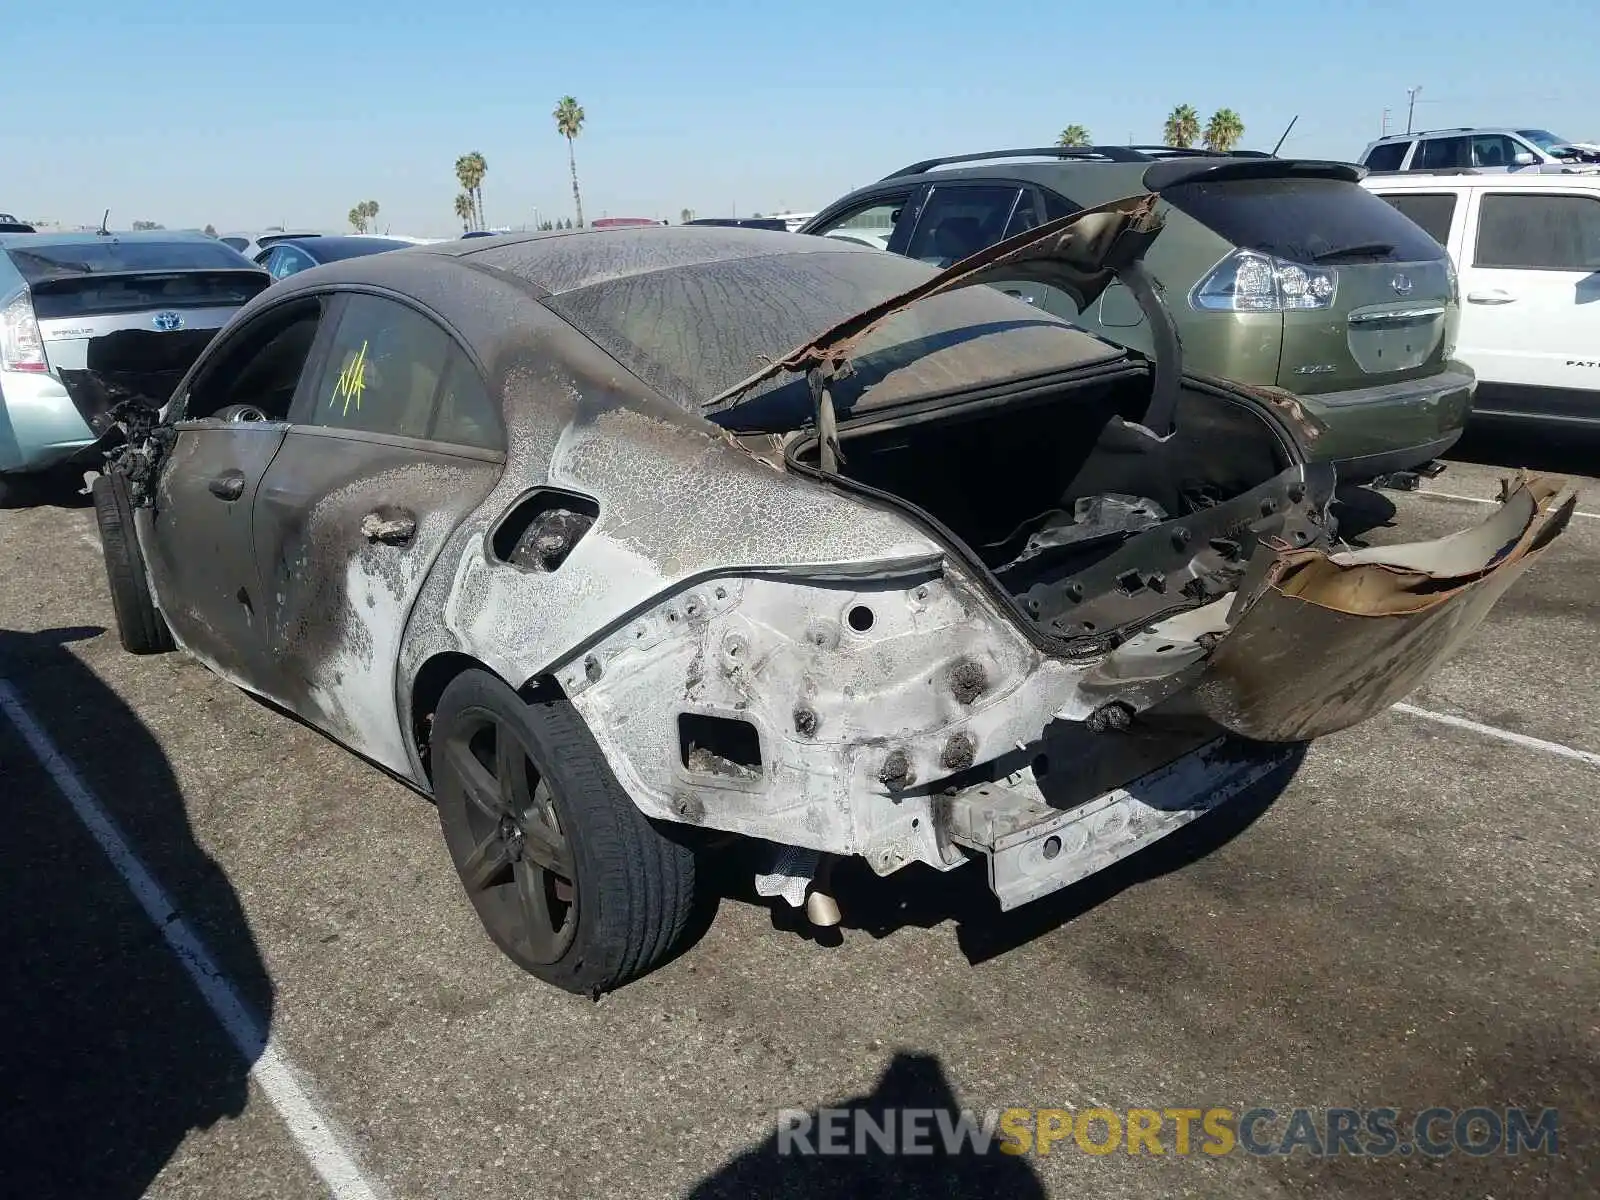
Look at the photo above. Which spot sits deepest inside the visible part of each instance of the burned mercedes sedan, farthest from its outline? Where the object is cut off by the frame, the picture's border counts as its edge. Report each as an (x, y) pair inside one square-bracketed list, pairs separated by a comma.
[(620, 542)]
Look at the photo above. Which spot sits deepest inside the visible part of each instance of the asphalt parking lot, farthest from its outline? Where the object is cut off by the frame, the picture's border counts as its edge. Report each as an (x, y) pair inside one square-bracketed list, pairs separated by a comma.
[(1413, 920)]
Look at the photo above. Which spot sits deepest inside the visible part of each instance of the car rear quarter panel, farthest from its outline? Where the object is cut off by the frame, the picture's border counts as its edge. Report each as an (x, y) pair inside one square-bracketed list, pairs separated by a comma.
[(679, 500)]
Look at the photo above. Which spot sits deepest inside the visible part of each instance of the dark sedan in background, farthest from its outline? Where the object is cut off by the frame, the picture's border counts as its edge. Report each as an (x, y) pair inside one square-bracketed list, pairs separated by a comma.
[(292, 255)]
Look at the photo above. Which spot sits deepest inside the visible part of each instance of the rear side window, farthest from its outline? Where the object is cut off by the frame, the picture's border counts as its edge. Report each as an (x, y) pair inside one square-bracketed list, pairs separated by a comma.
[(1387, 157), (1538, 233), (871, 224), (465, 415), (1305, 220), (383, 370), (958, 221), (1434, 211), (1055, 207), (1442, 154)]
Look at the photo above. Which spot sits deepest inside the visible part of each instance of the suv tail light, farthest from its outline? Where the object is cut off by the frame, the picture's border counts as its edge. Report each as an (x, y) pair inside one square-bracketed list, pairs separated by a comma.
[(1246, 281), (21, 344)]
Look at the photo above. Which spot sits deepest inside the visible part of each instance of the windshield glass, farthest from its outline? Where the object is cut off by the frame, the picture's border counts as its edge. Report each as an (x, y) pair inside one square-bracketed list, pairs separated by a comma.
[(1543, 139), (693, 332), (39, 263)]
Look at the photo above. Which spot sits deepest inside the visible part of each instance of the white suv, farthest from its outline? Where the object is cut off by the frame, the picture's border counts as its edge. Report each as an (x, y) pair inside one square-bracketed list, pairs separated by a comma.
[(1484, 149), (1527, 252)]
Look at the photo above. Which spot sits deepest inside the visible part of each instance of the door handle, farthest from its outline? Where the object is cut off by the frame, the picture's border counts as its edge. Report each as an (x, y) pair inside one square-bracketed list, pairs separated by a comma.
[(1492, 296), (392, 529), (227, 486)]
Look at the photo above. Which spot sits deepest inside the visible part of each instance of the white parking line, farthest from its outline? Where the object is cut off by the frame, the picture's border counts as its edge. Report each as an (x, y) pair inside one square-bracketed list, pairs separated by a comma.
[(1505, 735), (1481, 500), (321, 1144)]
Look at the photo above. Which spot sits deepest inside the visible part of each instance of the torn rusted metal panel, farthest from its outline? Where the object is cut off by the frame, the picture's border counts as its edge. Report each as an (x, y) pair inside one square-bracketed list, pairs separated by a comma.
[(1307, 425), (1330, 640)]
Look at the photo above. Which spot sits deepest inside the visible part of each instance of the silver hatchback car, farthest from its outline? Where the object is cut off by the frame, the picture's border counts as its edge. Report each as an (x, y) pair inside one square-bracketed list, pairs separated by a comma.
[(89, 320)]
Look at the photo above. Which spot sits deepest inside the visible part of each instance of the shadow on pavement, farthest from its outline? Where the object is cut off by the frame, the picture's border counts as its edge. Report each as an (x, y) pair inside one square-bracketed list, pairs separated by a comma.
[(1510, 445), (108, 1055), (911, 1081)]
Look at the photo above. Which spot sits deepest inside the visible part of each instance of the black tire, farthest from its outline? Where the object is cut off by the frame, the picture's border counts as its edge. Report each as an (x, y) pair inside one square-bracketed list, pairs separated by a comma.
[(572, 882), (139, 625)]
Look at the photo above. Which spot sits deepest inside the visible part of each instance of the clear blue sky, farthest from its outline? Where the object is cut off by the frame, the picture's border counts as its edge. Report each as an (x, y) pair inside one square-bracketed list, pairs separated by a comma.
[(185, 116)]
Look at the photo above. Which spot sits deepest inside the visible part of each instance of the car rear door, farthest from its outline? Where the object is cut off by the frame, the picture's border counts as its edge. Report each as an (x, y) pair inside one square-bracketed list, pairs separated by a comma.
[(1530, 287), (197, 534), (394, 441)]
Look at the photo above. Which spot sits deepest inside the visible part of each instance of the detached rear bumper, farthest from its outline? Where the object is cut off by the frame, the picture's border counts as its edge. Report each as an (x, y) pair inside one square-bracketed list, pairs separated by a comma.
[(1034, 848)]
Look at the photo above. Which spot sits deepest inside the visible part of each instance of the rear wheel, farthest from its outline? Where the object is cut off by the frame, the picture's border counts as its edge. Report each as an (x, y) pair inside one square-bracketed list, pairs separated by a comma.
[(139, 625), (569, 878)]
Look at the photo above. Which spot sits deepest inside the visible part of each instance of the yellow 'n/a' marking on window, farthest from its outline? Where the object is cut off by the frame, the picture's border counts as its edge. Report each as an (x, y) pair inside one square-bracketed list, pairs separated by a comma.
[(351, 383)]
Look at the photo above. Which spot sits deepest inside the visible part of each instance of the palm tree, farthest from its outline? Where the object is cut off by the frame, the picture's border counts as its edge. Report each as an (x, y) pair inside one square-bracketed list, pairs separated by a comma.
[(1223, 131), (358, 218), (464, 211), (1073, 135), (1182, 127), (569, 124), (686, 216), (470, 170), (370, 209)]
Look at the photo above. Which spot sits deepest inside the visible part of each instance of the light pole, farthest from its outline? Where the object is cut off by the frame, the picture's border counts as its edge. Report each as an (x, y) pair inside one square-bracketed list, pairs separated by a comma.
[(1411, 104)]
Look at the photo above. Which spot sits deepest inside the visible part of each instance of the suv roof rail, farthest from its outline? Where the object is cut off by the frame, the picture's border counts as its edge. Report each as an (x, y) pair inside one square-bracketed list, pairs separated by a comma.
[(1121, 154), (1434, 171), (1198, 152), (1106, 153)]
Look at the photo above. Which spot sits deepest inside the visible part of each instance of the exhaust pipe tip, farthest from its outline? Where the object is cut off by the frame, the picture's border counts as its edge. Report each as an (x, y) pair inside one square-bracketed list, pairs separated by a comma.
[(822, 910)]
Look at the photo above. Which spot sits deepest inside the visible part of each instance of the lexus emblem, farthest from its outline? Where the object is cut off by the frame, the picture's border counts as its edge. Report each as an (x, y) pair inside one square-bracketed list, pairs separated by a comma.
[(166, 322), (1401, 285)]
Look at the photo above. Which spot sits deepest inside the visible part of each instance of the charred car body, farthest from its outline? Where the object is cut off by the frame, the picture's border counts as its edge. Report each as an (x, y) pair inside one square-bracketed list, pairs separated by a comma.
[(90, 321), (563, 531)]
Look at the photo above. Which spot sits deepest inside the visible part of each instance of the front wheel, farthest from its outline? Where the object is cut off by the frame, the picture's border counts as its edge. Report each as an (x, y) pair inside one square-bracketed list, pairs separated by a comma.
[(571, 881)]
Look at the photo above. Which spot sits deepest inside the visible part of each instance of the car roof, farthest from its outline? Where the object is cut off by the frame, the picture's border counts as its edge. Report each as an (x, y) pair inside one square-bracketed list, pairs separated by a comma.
[(1087, 179), (489, 288), (564, 261), (147, 236), (1456, 132), (340, 245)]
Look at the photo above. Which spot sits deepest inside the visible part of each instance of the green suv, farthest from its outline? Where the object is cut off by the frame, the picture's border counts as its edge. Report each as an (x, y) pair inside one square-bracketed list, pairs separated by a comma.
[(1281, 274)]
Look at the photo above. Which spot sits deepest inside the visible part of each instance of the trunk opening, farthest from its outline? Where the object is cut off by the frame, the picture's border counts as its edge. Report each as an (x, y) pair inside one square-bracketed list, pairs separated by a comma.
[(1086, 527)]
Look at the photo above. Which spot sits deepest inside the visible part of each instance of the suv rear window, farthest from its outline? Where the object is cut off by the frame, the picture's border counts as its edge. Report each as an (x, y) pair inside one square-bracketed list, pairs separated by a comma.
[(1387, 157), (1303, 220)]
